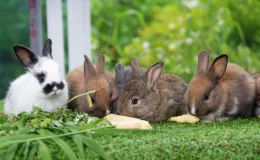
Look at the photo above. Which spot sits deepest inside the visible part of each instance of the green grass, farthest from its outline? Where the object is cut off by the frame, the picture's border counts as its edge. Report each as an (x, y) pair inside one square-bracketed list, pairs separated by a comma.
[(236, 139)]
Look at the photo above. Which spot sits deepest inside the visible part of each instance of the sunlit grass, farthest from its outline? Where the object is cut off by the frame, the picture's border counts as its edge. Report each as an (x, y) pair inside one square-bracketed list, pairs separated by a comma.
[(236, 139)]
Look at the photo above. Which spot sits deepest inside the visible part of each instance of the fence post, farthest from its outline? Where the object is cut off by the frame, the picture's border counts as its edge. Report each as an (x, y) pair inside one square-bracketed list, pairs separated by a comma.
[(35, 26), (79, 34), (55, 31)]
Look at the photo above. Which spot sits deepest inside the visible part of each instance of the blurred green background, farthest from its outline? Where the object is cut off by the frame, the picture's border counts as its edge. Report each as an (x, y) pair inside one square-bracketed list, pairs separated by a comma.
[(149, 30)]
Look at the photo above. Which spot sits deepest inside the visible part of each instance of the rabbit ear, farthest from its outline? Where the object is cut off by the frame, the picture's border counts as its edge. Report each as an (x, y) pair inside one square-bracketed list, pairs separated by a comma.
[(47, 49), (203, 62), (89, 70), (119, 69), (153, 74), (25, 55), (100, 65), (218, 67), (135, 66), (128, 75)]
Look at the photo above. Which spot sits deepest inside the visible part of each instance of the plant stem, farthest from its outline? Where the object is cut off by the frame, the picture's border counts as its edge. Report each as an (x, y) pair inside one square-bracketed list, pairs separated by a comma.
[(80, 95), (55, 136)]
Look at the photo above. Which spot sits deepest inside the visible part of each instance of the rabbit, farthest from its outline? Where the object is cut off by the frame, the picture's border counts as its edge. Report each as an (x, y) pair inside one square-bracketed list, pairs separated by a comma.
[(220, 91), (41, 86), (257, 99), (153, 96), (122, 76), (87, 78)]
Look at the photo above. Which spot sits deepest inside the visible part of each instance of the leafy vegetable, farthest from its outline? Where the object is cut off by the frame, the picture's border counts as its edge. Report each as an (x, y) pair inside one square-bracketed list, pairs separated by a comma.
[(40, 135)]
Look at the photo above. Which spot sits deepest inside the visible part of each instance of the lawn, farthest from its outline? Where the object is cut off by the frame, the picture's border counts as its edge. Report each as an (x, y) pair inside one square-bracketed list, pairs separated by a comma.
[(236, 139)]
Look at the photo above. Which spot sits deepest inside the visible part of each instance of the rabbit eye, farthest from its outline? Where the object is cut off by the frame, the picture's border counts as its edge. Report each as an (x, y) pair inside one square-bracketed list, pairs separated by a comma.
[(134, 101), (206, 97), (40, 77)]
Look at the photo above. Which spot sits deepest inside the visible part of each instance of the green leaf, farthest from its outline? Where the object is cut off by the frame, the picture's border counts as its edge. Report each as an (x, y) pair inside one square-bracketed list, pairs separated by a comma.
[(78, 141), (33, 151), (95, 147), (44, 151), (26, 130), (26, 150), (11, 152), (88, 126), (8, 140), (61, 143)]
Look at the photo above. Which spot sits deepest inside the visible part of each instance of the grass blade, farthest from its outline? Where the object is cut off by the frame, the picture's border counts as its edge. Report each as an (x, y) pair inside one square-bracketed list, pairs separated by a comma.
[(44, 151), (8, 140), (78, 141), (61, 143), (95, 147), (26, 150), (33, 151), (85, 127), (11, 152)]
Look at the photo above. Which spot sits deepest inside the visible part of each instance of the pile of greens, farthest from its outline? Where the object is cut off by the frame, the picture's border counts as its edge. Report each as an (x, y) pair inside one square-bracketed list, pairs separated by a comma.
[(64, 134)]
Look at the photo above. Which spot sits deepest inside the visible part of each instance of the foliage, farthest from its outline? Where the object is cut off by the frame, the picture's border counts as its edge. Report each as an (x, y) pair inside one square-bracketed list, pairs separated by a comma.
[(179, 32), (111, 32), (60, 135), (14, 29)]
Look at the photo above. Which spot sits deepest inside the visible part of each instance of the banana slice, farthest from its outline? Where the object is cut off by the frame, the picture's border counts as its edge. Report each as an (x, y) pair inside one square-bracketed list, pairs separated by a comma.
[(123, 122), (186, 118)]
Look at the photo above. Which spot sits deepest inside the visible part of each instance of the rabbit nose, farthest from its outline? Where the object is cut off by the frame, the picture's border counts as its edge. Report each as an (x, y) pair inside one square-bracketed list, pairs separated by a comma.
[(55, 88)]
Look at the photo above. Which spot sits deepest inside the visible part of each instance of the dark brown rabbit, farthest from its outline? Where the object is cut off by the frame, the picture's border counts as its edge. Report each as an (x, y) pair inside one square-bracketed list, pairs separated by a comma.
[(153, 96), (87, 78), (122, 76), (257, 100), (220, 91)]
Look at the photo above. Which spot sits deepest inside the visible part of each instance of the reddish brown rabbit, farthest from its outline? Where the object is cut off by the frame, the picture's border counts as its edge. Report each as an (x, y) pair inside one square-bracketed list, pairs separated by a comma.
[(220, 91), (87, 78)]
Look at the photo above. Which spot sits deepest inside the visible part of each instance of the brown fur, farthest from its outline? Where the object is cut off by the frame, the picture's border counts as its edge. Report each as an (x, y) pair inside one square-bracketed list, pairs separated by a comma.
[(257, 99), (257, 78), (122, 76), (159, 96), (231, 90), (87, 78)]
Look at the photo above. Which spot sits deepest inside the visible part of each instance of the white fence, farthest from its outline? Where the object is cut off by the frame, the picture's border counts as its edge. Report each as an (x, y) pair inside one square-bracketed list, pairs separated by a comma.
[(79, 33)]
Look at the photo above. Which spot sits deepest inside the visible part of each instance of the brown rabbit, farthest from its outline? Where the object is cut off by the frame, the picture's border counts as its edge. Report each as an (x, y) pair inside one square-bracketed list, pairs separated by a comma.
[(152, 96), (122, 76), (220, 91), (87, 78), (257, 100)]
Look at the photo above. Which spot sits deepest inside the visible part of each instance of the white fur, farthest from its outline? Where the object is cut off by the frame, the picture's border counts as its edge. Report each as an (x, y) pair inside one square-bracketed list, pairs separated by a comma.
[(26, 91), (108, 111), (193, 110)]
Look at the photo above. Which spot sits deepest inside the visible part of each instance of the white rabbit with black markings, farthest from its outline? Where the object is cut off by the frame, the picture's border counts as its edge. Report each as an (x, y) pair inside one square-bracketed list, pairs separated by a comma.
[(41, 86)]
